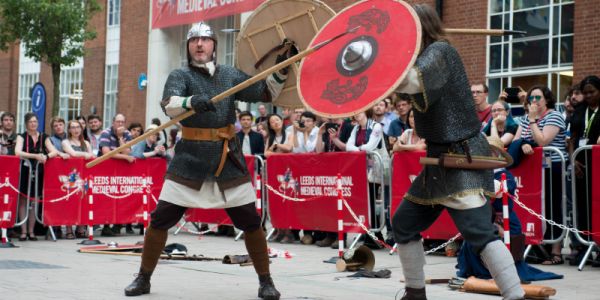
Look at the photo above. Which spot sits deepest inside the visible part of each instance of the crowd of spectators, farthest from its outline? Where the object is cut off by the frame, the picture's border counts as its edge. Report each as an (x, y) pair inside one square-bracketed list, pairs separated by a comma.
[(80, 137)]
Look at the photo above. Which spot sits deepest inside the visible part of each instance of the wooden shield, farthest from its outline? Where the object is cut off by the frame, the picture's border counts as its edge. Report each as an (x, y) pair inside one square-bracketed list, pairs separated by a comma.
[(352, 73), (269, 24)]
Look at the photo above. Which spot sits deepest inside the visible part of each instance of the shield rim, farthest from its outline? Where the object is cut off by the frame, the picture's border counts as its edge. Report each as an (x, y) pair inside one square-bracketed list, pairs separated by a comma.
[(257, 11), (392, 88)]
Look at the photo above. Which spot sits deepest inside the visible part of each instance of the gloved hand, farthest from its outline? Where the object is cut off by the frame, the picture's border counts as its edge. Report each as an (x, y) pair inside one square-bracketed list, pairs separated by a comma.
[(200, 104), (291, 51)]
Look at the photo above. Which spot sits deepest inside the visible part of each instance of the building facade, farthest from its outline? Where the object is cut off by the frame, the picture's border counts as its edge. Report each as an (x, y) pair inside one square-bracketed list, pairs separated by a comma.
[(558, 50)]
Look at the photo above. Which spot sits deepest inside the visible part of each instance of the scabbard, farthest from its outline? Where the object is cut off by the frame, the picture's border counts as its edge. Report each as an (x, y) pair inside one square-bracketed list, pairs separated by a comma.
[(459, 161)]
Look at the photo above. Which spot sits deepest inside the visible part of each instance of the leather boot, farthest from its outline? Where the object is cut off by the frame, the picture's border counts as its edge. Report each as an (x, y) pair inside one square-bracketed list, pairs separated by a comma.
[(414, 294), (154, 243), (267, 288), (140, 285)]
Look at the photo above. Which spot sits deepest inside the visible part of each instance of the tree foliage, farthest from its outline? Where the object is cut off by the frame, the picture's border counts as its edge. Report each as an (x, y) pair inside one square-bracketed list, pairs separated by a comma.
[(52, 31)]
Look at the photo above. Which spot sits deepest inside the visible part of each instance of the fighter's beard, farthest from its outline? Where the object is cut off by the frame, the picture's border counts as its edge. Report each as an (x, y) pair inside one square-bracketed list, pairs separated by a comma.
[(208, 67)]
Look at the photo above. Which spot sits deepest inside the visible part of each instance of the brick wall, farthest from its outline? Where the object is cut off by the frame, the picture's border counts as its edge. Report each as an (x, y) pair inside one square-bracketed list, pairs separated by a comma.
[(586, 44), (133, 59), (93, 66), (9, 79)]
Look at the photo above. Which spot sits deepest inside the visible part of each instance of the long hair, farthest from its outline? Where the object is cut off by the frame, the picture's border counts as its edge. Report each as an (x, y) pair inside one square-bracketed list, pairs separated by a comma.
[(81, 139), (271, 131), (431, 25)]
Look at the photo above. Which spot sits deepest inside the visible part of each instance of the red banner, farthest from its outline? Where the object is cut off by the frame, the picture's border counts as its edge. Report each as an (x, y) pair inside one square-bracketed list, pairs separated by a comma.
[(218, 216), (406, 167), (595, 192), (167, 13), (116, 187), (529, 176), (312, 177), (9, 197)]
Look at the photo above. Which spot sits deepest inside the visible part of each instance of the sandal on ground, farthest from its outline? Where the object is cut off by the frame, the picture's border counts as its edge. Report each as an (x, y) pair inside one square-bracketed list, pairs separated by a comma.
[(80, 235), (23, 238), (70, 236), (32, 237), (555, 259)]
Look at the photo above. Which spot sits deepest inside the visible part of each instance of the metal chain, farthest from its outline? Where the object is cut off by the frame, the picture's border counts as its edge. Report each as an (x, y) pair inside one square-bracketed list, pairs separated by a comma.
[(561, 226), (443, 245)]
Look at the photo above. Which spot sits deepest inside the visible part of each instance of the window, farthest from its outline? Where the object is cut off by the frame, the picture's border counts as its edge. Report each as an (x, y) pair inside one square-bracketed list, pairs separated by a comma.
[(71, 83), (26, 82), (110, 93), (544, 55), (114, 12)]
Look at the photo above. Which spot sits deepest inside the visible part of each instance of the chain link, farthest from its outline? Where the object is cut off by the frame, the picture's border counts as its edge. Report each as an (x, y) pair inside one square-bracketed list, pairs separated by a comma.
[(443, 245)]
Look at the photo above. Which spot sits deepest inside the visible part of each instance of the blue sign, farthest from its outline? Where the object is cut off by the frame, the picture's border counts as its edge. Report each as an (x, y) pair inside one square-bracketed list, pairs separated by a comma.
[(38, 104), (142, 82)]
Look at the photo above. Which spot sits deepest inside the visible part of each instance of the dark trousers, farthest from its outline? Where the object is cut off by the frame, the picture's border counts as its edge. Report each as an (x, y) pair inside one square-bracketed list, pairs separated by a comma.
[(166, 215), (410, 219)]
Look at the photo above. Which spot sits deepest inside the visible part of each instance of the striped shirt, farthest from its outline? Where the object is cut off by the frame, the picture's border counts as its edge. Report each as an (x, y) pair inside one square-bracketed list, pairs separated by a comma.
[(552, 118)]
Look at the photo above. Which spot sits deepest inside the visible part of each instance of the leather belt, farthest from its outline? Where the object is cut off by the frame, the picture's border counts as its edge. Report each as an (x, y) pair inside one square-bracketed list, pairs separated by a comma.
[(211, 135)]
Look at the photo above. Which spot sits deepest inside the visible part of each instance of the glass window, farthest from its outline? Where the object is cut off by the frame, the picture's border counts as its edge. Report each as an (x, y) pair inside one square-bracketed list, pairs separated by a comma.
[(521, 4), (26, 82), (111, 79), (114, 12), (530, 54), (71, 83), (536, 58), (535, 22)]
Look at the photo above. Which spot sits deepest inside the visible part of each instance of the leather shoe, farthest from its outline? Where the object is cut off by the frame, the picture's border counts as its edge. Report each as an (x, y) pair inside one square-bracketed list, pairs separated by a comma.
[(326, 242), (414, 294), (307, 239), (267, 288), (140, 285)]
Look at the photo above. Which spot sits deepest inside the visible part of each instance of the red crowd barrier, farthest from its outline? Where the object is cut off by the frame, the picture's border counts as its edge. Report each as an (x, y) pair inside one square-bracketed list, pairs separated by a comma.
[(529, 176), (219, 216), (312, 177), (117, 189), (595, 192), (9, 181)]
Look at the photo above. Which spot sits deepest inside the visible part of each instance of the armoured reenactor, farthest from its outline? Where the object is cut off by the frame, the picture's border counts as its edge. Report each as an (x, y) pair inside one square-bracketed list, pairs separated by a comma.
[(446, 118), (208, 169)]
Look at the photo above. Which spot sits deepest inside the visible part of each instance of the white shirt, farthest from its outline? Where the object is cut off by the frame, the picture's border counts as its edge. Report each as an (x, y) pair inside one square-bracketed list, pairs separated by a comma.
[(308, 146)]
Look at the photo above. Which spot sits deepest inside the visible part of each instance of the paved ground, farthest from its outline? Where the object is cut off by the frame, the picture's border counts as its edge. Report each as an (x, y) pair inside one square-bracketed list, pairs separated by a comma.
[(55, 270)]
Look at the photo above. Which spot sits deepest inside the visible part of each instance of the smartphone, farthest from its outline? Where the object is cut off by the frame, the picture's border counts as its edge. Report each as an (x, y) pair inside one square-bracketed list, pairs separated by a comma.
[(512, 94), (332, 126)]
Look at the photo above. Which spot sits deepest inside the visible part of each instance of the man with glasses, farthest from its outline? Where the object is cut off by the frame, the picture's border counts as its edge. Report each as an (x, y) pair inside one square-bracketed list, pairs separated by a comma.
[(484, 109), (110, 139)]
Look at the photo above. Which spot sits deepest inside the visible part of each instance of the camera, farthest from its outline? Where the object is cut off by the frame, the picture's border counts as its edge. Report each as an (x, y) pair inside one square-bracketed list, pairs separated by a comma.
[(332, 126), (512, 94), (301, 124)]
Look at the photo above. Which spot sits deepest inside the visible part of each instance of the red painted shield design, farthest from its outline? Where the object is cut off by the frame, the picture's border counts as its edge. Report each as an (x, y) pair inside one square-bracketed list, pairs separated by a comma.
[(355, 71)]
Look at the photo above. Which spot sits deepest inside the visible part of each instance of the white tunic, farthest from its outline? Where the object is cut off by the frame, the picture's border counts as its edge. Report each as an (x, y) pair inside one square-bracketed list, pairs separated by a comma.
[(209, 196)]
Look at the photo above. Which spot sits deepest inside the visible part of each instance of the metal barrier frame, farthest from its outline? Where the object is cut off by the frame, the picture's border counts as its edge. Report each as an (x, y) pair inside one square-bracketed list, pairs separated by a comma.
[(591, 244), (563, 172)]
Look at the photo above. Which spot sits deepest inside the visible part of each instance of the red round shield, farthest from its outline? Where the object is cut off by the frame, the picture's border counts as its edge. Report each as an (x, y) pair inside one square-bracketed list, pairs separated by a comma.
[(352, 73)]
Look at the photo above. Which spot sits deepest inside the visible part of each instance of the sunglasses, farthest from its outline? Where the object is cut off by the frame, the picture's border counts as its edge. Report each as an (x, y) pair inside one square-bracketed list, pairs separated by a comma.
[(536, 98)]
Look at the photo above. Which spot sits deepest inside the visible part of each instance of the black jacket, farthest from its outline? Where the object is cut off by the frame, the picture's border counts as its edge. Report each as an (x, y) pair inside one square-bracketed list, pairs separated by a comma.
[(578, 125), (257, 143)]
